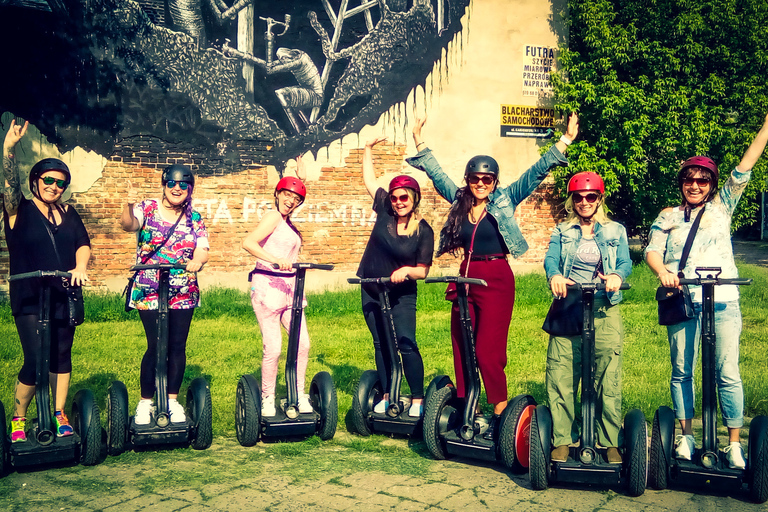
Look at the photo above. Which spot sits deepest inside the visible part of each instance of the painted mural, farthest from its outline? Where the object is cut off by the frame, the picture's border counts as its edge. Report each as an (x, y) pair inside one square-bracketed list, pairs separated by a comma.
[(291, 75)]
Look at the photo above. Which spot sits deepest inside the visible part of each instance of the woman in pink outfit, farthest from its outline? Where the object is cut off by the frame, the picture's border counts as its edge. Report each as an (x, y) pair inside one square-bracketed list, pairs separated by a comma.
[(277, 241)]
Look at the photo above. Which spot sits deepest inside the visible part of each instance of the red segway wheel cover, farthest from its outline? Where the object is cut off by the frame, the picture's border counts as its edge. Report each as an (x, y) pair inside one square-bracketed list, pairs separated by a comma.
[(523, 436)]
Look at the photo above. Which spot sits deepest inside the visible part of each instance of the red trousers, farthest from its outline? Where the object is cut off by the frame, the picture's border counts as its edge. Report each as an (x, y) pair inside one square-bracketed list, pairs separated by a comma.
[(490, 308)]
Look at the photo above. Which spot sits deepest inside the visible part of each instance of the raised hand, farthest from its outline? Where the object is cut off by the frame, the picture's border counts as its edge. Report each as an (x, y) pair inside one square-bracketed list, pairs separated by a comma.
[(15, 134)]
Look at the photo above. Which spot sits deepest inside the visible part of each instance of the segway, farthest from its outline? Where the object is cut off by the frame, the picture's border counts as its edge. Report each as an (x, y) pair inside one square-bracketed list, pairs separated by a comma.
[(288, 422), (395, 420), (708, 464), (197, 430), (42, 445), (587, 463), (451, 426)]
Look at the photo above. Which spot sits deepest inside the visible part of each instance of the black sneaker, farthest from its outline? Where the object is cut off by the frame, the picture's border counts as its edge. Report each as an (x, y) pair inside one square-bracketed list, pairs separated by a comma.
[(493, 429)]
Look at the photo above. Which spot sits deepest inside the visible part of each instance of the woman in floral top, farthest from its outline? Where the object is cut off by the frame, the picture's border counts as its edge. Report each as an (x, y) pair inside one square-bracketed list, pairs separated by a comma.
[(169, 231), (711, 247)]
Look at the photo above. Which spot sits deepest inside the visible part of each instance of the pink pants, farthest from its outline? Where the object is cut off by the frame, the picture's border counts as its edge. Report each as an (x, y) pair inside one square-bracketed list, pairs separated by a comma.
[(272, 338)]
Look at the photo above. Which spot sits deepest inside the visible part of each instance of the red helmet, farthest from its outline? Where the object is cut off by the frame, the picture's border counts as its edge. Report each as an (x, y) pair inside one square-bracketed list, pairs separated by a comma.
[(586, 181), (404, 181), (704, 162), (295, 185)]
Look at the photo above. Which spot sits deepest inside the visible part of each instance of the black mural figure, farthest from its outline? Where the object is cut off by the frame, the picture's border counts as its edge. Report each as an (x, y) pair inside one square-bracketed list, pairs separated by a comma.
[(309, 92), (127, 74)]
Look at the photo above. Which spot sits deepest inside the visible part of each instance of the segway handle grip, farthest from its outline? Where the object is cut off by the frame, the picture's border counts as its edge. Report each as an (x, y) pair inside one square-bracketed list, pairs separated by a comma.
[(597, 286), (159, 266), (316, 266), (719, 281), (456, 279), (368, 280), (40, 273)]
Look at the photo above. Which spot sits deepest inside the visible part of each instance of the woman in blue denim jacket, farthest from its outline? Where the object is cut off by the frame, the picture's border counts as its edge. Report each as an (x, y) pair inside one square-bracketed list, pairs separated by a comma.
[(587, 247), (481, 224)]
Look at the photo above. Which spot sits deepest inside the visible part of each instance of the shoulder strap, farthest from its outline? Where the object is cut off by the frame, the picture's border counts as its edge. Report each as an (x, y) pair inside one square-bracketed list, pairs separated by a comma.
[(146, 258), (689, 243)]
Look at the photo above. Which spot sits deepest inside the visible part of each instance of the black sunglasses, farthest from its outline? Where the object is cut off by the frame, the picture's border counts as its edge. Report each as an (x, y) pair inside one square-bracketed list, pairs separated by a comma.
[(183, 185), (702, 182), (474, 179), (50, 180), (591, 198)]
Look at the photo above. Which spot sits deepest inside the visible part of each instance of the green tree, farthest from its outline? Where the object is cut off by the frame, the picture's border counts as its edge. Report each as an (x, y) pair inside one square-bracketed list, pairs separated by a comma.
[(658, 81)]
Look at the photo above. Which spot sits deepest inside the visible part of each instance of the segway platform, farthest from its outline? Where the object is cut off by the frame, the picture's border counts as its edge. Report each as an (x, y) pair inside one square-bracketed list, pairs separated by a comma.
[(32, 452)]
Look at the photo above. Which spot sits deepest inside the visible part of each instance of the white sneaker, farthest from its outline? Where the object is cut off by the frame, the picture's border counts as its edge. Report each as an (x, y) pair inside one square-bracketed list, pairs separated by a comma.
[(176, 411), (684, 446), (304, 405), (144, 411), (268, 406), (734, 454), (416, 410), (381, 407)]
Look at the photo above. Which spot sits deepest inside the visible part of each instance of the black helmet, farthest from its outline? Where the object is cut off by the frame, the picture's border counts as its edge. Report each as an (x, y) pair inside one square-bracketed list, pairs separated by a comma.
[(482, 164), (178, 172), (45, 165)]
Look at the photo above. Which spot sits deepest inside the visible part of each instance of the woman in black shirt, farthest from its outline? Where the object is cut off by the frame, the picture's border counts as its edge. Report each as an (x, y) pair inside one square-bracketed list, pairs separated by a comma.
[(29, 225), (400, 247)]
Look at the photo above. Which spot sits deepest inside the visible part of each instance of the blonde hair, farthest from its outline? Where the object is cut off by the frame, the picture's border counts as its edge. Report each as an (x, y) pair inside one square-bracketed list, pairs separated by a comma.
[(600, 216), (412, 228)]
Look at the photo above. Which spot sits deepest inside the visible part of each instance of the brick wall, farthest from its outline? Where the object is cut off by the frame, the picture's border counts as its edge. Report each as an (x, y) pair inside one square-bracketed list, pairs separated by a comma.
[(335, 221)]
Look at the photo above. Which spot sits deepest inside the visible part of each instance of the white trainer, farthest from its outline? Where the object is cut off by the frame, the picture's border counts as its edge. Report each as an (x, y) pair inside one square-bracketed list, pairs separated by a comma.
[(381, 407), (684, 446), (144, 411), (176, 411), (305, 406), (268, 406), (734, 454)]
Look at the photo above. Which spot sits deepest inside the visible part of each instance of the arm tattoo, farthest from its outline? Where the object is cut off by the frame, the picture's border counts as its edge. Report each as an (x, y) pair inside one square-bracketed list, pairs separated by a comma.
[(11, 184)]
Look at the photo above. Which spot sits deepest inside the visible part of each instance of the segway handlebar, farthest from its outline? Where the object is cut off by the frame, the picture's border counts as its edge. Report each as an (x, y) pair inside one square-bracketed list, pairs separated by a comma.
[(596, 286), (715, 280), (40, 273), (456, 279), (159, 266), (369, 280), (316, 266)]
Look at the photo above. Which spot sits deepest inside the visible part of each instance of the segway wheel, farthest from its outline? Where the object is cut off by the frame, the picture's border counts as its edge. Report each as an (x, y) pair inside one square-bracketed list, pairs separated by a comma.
[(368, 394), (514, 435), (636, 431), (538, 458), (248, 410), (438, 382), (658, 465), (322, 393), (200, 409), (117, 418), (758, 459), (439, 417), (87, 423), (3, 441)]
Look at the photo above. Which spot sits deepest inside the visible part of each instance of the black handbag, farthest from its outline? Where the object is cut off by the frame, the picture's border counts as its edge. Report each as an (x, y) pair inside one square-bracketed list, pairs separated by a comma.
[(75, 304), (565, 316), (675, 304)]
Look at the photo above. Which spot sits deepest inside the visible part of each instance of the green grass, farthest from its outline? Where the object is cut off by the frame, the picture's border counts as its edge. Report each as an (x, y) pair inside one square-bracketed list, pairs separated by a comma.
[(225, 342)]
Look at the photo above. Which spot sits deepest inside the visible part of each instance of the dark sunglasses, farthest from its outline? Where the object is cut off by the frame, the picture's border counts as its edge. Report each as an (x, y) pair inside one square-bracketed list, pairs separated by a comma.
[(474, 179), (50, 180), (702, 182), (591, 198), (183, 185), (403, 198)]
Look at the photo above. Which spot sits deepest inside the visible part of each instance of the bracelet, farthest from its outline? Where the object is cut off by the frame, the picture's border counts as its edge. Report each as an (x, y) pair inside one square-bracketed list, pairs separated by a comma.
[(565, 140), (420, 143)]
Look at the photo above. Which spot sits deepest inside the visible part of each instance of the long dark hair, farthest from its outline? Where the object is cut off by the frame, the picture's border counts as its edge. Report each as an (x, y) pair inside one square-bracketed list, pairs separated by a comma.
[(450, 235)]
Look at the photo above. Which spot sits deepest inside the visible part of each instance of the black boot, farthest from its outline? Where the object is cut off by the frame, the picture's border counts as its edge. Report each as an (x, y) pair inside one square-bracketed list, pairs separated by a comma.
[(493, 428)]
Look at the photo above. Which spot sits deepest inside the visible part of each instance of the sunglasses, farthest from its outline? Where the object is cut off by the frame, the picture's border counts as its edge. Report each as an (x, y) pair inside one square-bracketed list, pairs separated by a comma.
[(591, 198), (474, 179), (702, 182), (50, 180), (403, 198), (183, 185)]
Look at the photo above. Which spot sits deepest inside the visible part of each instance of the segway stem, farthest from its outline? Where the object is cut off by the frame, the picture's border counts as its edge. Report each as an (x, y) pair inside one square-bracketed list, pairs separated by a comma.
[(161, 365)]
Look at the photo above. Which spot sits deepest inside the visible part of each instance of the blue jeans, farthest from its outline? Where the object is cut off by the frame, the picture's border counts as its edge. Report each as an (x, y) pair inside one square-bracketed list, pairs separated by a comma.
[(684, 340)]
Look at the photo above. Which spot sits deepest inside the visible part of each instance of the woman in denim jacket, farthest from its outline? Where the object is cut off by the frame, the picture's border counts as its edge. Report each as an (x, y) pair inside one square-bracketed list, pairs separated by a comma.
[(587, 247), (481, 224)]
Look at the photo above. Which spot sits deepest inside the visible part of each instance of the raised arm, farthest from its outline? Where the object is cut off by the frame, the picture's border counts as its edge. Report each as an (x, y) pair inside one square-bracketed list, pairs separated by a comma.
[(755, 150), (11, 181), (571, 132), (369, 174)]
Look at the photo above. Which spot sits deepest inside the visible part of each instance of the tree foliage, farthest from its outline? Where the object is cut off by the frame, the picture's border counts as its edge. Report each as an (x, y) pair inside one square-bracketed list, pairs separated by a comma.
[(658, 81)]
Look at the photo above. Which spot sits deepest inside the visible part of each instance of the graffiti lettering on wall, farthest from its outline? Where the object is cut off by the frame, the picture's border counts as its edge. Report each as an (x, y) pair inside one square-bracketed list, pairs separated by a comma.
[(293, 75), (217, 210)]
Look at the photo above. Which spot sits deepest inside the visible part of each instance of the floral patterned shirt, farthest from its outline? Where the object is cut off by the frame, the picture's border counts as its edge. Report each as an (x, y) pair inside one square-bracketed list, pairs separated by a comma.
[(190, 233)]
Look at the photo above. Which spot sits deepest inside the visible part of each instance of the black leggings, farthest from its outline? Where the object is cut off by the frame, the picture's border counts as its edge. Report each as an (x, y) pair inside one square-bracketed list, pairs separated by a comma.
[(404, 316), (179, 321), (61, 347)]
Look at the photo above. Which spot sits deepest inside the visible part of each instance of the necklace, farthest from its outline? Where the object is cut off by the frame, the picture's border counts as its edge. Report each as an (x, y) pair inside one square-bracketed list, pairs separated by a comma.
[(475, 219)]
